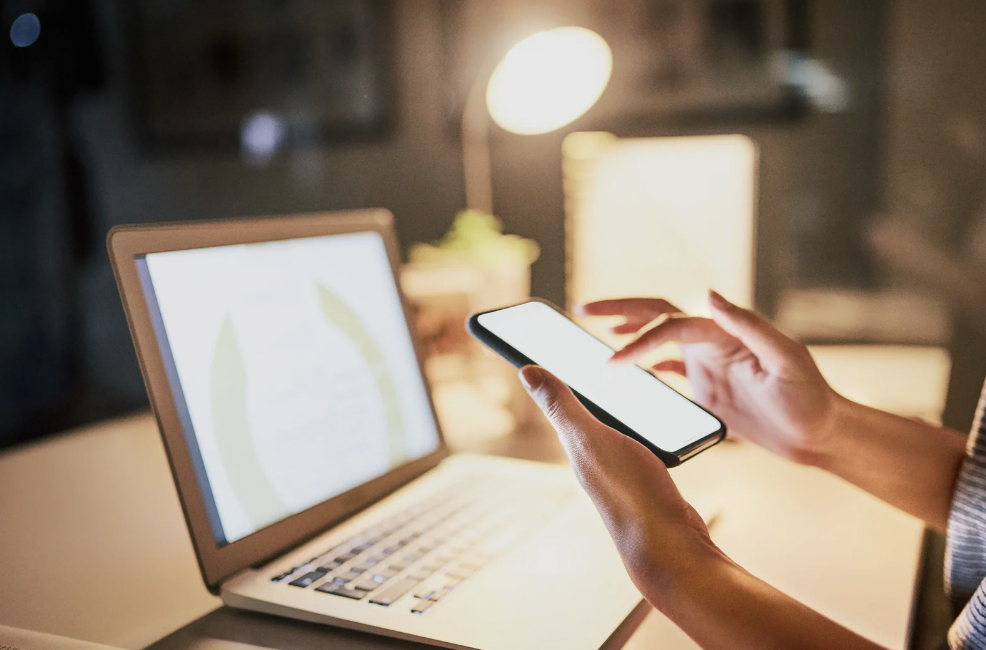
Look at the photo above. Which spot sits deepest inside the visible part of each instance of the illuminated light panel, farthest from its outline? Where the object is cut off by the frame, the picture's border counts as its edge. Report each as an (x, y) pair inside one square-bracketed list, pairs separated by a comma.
[(668, 217)]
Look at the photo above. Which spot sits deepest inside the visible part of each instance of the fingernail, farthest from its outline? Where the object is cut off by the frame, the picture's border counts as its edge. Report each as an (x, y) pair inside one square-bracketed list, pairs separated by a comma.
[(578, 310), (532, 377), (718, 301)]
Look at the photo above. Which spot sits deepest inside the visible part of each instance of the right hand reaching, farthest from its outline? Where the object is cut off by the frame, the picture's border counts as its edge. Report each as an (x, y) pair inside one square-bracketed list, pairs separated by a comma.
[(762, 384)]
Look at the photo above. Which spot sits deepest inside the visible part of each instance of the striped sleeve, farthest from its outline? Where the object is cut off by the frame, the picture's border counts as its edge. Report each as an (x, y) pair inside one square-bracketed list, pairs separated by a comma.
[(965, 556), (968, 632)]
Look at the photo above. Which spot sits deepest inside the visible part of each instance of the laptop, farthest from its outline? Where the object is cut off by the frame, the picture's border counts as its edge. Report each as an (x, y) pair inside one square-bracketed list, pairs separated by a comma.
[(288, 388)]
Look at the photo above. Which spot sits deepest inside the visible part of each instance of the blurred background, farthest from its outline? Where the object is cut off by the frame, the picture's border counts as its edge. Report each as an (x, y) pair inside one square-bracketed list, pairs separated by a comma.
[(821, 160)]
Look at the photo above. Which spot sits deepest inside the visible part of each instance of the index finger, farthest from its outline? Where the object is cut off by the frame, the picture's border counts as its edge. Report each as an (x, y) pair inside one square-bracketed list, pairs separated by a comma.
[(685, 329), (629, 307)]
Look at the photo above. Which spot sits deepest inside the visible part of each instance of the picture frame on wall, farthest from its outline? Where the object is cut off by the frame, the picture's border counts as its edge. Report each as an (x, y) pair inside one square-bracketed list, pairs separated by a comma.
[(205, 72)]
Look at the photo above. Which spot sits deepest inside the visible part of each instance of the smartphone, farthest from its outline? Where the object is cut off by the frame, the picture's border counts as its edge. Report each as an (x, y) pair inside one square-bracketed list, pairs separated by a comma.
[(624, 397)]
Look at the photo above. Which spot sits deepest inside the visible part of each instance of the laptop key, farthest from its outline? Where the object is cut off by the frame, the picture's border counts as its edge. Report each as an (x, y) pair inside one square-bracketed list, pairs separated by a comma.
[(348, 576), (475, 559), (307, 579), (395, 591), (339, 590), (367, 585), (421, 606), (459, 572), (385, 574)]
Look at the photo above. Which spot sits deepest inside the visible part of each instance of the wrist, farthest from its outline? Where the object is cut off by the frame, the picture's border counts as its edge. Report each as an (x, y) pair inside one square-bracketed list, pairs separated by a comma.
[(686, 579), (832, 437)]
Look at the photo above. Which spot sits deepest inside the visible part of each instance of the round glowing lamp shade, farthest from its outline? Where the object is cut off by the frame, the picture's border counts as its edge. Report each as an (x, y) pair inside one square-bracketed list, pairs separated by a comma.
[(549, 80)]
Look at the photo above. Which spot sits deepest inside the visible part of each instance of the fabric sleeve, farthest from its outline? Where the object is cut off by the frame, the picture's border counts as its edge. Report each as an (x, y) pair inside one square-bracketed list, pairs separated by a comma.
[(968, 632), (965, 555)]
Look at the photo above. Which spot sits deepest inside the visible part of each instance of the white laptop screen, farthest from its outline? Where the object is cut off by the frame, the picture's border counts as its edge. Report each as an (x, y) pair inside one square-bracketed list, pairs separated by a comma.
[(293, 371)]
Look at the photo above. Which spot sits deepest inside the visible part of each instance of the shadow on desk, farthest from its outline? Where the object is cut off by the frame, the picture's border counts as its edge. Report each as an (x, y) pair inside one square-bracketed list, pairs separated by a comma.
[(931, 615), (231, 629)]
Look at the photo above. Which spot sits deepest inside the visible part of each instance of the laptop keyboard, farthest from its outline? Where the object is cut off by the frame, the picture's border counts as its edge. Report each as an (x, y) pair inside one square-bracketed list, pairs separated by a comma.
[(429, 549)]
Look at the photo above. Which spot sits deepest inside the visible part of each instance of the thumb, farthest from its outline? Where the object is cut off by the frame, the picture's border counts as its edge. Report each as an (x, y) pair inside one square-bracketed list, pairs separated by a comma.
[(618, 473), (570, 418), (773, 349)]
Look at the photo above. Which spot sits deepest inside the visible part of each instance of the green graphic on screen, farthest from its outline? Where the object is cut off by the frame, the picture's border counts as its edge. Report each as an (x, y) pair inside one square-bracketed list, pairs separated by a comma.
[(241, 461), (339, 314)]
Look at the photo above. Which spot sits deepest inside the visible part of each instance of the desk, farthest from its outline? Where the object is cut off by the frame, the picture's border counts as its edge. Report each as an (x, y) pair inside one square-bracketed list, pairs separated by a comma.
[(93, 545)]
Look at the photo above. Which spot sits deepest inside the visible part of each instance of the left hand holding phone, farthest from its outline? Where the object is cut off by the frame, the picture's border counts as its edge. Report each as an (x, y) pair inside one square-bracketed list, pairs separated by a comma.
[(654, 528), (665, 545)]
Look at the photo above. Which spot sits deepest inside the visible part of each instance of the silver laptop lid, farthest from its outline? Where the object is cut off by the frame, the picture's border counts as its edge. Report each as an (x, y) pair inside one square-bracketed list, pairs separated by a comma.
[(286, 380)]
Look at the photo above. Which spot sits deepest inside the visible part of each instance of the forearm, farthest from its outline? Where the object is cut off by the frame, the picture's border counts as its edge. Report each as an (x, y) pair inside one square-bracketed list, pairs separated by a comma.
[(720, 605), (909, 464)]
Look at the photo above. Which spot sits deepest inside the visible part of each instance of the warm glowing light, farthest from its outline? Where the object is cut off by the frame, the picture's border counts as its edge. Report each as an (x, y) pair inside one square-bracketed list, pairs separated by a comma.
[(548, 80)]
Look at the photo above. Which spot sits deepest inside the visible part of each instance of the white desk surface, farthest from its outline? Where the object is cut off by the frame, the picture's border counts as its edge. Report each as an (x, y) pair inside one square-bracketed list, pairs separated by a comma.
[(93, 544)]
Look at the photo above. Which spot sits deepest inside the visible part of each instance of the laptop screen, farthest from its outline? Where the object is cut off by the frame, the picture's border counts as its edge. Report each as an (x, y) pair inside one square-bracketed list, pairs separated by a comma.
[(293, 371)]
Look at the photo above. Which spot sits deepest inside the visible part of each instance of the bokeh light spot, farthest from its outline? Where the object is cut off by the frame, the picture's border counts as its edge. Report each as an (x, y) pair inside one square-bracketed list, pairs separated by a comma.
[(261, 135), (25, 30)]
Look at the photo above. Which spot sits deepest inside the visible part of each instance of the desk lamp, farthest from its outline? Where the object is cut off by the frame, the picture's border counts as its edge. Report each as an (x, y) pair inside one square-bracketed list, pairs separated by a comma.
[(544, 82)]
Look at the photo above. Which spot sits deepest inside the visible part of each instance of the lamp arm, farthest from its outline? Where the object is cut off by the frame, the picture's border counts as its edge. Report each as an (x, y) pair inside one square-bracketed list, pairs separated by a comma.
[(476, 163)]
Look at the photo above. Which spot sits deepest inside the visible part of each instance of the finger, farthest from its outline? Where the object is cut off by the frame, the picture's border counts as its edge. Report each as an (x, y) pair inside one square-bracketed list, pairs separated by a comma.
[(685, 329), (636, 309), (577, 428), (672, 365), (772, 348), (611, 467), (628, 327)]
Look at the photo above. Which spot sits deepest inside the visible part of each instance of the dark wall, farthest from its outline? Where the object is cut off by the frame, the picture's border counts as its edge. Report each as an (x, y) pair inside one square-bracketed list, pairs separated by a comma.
[(935, 164), (934, 173)]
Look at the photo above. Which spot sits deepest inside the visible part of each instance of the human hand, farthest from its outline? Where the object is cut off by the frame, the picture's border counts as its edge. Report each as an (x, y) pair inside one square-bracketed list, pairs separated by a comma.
[(665, 546), (658, 534), (762, 384)]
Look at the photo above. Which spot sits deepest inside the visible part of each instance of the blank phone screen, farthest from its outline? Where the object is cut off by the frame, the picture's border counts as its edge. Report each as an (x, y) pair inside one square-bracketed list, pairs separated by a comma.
[(627, 392)]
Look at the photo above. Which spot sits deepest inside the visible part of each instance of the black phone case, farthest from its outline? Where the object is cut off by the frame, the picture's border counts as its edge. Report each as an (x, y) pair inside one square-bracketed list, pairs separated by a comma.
[(506, 351)]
